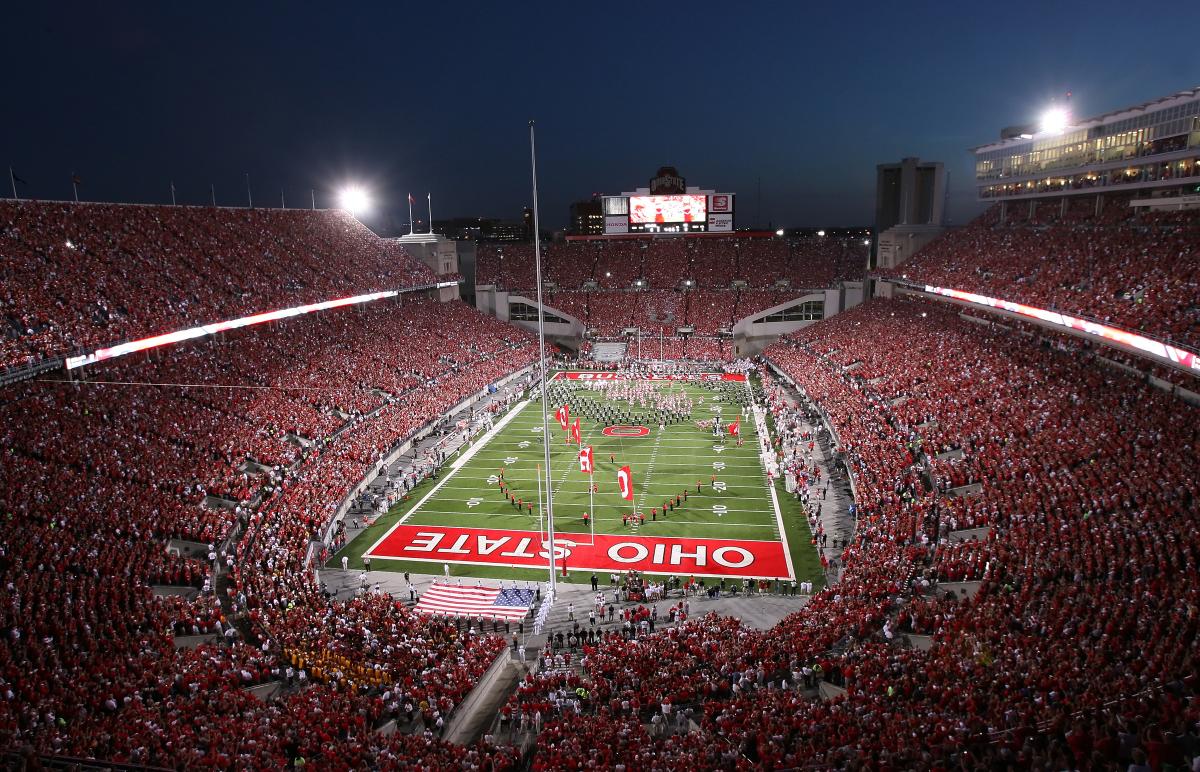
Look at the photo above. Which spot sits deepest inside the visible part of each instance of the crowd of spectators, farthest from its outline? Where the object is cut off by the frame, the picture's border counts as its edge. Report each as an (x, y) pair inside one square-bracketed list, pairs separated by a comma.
[(1140, 271), (667, 263), (608, 313), (276, 427), (1074, 652), (1077, 650), (78, 276)]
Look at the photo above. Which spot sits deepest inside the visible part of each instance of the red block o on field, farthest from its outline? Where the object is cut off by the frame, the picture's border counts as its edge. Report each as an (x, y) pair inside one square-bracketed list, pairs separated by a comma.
[(622, 430)]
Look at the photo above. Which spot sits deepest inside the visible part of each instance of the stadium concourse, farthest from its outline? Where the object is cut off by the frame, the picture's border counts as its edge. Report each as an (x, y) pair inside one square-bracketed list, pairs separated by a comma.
[(1019, 589)]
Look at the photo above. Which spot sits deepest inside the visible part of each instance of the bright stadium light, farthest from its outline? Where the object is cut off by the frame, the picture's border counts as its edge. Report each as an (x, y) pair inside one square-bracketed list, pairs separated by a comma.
[(354, 200), (820, 233), (1056, 120), (779, 232)]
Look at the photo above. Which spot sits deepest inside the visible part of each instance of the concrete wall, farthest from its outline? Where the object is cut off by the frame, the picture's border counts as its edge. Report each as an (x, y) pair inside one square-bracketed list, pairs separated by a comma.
[(852, 294), (898, 244), (572, 329), (750, 338), (485, 300)]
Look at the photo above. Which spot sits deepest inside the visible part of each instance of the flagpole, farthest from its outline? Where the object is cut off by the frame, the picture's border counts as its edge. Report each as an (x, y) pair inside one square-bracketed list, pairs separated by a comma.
[(410, 220), (313, 192), (249, 198), (537, 263), (282, 202), (75, 188), (591, 503), (212, 193), (13, 179), (429, 202), (173, 193), (539, 483)]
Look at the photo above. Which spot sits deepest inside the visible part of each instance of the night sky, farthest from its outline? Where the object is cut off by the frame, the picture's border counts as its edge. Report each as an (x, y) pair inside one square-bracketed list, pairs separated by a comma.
[(437, 97)]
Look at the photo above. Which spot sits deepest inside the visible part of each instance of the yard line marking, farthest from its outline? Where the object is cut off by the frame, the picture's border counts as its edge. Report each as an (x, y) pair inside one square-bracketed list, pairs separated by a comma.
[(676, 522), (492, 488), (649, 471), (454, 467), (618, 507)]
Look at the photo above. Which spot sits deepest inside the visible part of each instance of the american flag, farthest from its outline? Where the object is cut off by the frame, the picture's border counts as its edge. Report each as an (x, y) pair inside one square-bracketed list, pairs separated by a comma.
[(449, 600)]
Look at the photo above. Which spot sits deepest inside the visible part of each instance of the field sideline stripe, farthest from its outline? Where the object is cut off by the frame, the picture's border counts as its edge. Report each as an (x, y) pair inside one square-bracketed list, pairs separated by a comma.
[(761, 423), (454, 467)]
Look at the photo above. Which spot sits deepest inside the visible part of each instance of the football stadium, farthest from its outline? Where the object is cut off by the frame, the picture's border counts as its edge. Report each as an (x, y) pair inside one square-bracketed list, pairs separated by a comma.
[(871, 469)]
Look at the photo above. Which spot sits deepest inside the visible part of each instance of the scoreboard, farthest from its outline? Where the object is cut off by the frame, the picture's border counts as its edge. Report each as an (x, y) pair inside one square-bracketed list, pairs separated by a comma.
[(691, 212)]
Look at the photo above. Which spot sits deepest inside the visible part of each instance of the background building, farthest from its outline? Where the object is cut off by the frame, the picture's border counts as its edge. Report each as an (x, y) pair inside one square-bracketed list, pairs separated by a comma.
[(587, 218), (910, 209)]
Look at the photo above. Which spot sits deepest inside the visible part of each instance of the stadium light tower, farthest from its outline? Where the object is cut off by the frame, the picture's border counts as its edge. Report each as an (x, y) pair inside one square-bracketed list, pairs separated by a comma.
[(354, 200), (1056, 119)]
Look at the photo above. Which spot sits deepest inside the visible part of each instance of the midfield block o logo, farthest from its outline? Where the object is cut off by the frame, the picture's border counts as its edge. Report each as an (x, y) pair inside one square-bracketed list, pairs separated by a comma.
[(625, 431)]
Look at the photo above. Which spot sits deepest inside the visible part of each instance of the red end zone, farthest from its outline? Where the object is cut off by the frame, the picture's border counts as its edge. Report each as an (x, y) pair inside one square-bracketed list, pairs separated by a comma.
[(740, 558)]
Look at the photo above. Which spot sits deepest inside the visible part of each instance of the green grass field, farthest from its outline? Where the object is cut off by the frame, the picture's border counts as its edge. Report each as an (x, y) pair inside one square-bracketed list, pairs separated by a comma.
[(737, 505)]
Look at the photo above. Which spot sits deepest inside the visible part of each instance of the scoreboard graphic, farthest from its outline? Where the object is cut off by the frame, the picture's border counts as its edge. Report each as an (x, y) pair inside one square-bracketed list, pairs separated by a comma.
[(667, 209)]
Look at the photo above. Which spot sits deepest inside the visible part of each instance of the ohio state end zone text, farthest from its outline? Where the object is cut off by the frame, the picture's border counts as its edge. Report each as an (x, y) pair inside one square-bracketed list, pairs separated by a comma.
[(730, 558)]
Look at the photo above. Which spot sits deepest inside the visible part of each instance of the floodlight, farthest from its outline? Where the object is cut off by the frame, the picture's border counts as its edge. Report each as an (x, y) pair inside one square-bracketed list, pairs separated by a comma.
[(820, 233), (354, 200), (1056, 119), (866, 242), (779, 232)]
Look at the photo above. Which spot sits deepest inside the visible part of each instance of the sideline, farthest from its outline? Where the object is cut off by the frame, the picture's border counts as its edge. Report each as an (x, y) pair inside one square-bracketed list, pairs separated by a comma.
[(760, 423)]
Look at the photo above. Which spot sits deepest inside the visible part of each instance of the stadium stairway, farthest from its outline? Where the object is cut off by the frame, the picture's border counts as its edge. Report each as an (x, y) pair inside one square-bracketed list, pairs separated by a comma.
[(920, 642), (969, 534), (183, 591), (961, 590), (478, 710), (192, 641), (828, 691)]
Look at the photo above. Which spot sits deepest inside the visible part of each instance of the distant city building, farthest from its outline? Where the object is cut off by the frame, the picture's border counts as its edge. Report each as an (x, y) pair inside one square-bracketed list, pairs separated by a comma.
[(911, 192), (481, 229), (587, 218), (909, 209)]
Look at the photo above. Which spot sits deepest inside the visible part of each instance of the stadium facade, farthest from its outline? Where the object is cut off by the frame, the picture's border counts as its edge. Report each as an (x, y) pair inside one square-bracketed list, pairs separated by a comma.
[(1151, 149)]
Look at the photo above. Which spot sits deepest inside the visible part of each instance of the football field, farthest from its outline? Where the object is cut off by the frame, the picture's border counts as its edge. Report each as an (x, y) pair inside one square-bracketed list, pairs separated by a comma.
[(701, 502)]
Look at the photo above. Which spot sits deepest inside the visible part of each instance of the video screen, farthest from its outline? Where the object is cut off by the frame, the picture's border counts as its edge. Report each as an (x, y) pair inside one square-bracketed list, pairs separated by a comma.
[(644, 210)]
